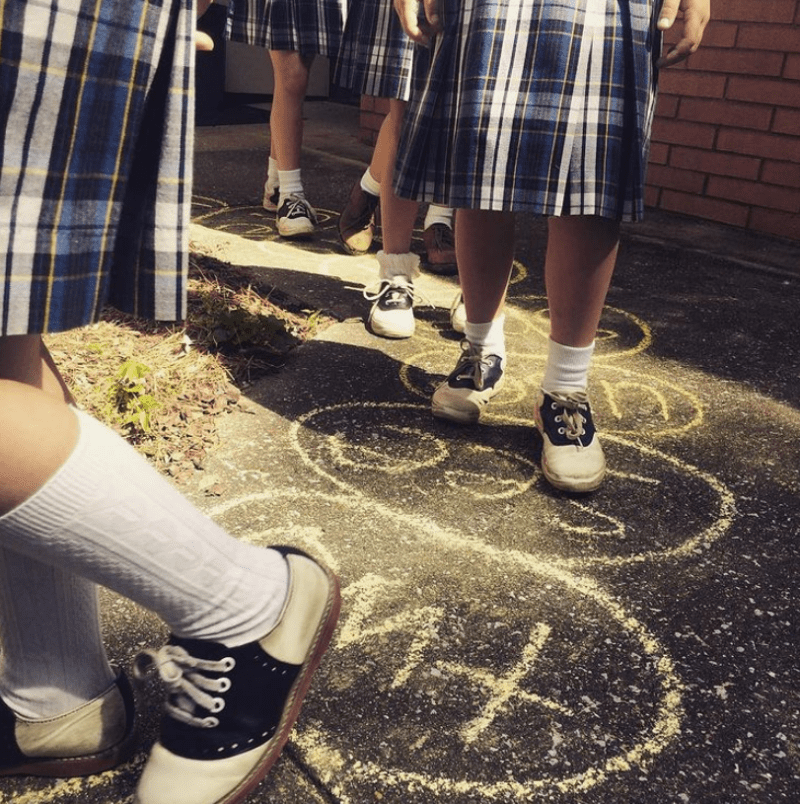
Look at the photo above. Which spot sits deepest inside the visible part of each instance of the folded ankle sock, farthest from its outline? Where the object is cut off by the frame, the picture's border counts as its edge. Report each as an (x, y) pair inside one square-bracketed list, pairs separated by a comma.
[(438, 214), (391, 265), (489, 338), (109, 516), (369, 184), (567, 367), (272, 174), (290, 183)]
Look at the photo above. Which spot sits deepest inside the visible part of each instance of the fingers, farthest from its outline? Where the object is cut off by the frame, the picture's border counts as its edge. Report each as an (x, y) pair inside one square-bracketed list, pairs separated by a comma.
[(419, 28), (202, 41), (696, 14)]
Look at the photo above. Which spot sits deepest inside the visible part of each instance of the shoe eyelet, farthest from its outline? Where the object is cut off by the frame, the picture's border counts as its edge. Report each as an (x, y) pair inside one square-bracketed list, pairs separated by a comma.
[(224, 684), (562, 430), (228, 663), (210, 722), (218, 705)]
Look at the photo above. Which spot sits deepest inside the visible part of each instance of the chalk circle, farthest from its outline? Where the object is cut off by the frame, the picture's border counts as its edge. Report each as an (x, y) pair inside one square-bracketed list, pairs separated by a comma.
[(651, 507), (516, 677)]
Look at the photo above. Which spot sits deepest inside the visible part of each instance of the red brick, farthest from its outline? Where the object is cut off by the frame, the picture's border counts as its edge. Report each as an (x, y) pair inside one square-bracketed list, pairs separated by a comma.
[(764, 90), (787, 121), (710, 208), (791, 69), (753, 143), (757, 10), (743, 62), (715, 163), (721, 112), (659, 153), (683, 132), (720, 34), (667, 105), (784, 38), (691, 84), (651, 196), (783, 173), (686, 180), (754, 193), (781, 224)]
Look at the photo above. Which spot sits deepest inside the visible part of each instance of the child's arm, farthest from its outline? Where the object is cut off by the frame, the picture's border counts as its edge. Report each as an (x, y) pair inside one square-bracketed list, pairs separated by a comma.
[(420, 29), (696, 14)]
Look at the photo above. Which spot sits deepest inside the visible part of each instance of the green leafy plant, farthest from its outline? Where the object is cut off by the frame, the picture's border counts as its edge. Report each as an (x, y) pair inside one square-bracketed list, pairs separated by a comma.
[(130, 403)]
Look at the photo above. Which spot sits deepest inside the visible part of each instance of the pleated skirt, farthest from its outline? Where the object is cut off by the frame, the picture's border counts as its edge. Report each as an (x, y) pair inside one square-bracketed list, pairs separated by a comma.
[(540, 106), (96, 115), (311, 27)]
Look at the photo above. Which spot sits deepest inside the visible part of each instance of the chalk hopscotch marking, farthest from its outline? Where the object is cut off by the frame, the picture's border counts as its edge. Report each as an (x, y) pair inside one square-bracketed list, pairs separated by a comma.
[(405, 463), (364, 619)]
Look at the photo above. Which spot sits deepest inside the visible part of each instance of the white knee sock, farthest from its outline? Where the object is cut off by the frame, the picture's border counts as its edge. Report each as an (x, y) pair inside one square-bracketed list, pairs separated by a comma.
[(489, 338), (567, 367), (53, 657), (110, 517), (290, 182), (369, 184), (438, 214)]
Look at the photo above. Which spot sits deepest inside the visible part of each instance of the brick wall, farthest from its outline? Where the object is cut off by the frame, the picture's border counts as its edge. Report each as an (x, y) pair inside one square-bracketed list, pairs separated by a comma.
[(726, 139)]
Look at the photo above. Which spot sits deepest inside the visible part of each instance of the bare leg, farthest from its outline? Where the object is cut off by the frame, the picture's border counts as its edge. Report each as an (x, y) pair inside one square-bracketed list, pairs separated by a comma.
[(581, 254), (398, 215), (291, 71), (485, 255)]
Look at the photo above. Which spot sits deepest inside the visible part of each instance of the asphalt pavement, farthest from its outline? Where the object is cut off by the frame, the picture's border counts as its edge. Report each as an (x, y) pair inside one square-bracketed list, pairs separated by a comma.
[(500, 641)]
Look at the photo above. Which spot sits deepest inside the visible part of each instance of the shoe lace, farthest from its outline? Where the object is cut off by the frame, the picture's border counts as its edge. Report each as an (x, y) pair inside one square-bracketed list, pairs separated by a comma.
[(187, 686), (443, 236), (393, 288), (297, 207), (571, 405), (471, 364)]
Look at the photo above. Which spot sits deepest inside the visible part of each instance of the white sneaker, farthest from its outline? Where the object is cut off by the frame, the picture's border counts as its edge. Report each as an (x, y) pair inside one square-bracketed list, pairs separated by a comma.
[(392, 313), (295, 217), (477, 377), (458, 314), (572, 458)]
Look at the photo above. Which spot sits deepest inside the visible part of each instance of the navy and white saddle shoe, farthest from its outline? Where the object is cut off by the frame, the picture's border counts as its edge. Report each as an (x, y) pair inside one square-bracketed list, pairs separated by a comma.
[(229, 711)]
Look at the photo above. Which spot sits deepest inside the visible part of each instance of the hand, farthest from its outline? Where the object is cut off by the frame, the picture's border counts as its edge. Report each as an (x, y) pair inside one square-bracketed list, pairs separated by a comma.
[(202, 41), (696, 14), (420, 30)]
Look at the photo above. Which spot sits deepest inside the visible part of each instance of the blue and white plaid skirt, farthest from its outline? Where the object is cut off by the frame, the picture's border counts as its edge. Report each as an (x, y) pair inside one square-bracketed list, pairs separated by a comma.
[(376, 57), (97, 124), (311, 27), (540, 106)]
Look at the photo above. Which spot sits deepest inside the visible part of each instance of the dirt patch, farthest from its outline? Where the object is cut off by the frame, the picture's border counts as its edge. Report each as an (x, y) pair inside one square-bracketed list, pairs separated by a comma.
[(163, 387)]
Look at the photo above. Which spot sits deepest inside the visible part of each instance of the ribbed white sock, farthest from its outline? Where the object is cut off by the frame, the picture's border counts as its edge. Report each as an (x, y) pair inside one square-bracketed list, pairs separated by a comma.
[(567, 367), (437, 214), (489, 338), (53, 657), (110, 517), (289, 181), (369, 184)]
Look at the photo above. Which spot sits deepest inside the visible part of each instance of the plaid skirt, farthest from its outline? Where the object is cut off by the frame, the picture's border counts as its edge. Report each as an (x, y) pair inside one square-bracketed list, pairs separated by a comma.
[(540, 106), (97, 125), (376, 57), (311, 27)]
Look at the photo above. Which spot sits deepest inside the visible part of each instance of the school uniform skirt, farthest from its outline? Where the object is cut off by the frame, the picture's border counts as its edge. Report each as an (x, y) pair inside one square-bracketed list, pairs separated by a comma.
[(376, 57), (311, 27), (96, 121), (540, 106)]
